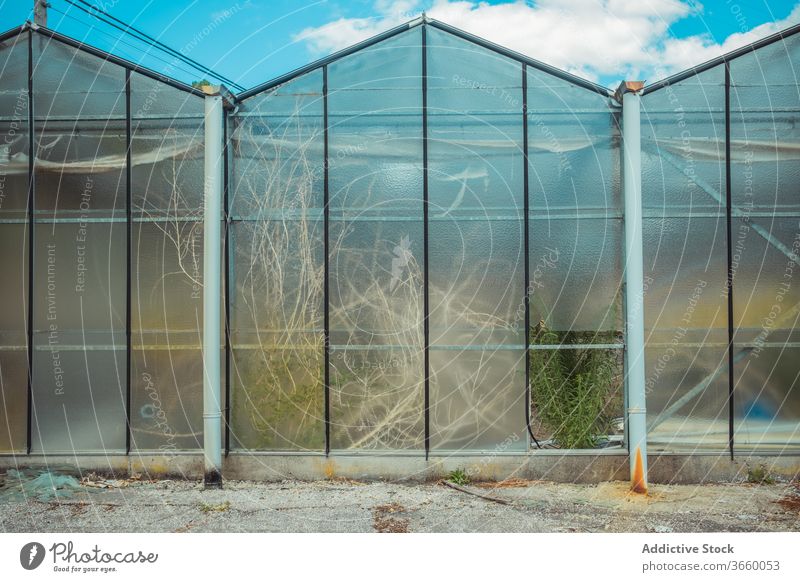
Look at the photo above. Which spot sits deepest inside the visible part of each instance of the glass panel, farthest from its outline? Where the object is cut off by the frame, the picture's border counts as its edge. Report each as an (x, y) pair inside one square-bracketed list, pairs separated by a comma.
[(151, 98), (14, 126), (683, 147), (78, 394), (79, 322), (167, 167), (277, 321), (478, 400), (167, 277), (376, 247), (13, 398), (79, 279), (377, 397), (13, 337), (765, 80), (14, 83), (768, 400), (576, 277), (476, 250), (72, 83), (685, 256), (80, 169), (277, 150), (166, 398), (277, 400), (687, 393), (277, 269), (686, 335), (765, 109)]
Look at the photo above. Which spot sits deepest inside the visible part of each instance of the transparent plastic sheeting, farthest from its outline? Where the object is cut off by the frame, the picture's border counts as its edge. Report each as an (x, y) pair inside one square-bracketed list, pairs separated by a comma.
[(328, 343), (684, 138)]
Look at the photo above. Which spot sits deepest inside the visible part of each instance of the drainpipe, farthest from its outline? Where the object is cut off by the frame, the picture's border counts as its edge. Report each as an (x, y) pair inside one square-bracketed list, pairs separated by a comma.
[(630, 92), (212, 289)]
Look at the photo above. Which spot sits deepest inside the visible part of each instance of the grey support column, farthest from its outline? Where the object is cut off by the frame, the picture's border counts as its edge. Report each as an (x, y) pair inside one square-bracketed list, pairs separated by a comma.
[(634, 285), (212, 291)]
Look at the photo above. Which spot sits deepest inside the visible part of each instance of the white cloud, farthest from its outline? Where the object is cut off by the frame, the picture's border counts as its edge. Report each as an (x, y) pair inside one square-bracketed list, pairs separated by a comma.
[(597, 39)]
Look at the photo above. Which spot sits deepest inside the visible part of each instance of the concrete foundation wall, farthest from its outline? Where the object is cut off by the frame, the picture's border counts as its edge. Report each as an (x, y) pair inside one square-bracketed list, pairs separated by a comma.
[(565, 468)]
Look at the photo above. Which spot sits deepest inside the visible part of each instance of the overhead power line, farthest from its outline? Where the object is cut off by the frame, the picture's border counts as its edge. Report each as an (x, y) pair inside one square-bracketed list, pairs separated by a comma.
[(121, 42), (118, 24)]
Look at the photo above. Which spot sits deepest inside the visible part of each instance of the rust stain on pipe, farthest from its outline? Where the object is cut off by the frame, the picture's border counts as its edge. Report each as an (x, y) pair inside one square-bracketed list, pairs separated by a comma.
[(638, 484)]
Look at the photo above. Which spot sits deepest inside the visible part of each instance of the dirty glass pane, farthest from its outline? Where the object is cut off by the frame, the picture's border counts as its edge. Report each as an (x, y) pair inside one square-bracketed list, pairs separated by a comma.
[(14, 83), (78, 393), (167, 167), (683, 146), (687, 392), (79, 334), (151, 98), (277, 333), (13, 338), (13, 398), (686, 332), (768, 400), (376, 247), (765, 109), (166, 324), (576, 277), (14, 126), (79, 277), (277, 269), (277, 150), (476, 252), (478, 399), (166, 397), (167, 277), (376, 398), (70, 83), (80, 169), (277, 399)]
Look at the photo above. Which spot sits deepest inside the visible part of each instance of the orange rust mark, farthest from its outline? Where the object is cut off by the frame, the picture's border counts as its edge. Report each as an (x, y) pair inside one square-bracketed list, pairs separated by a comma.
[(638, 484), (329, 469)]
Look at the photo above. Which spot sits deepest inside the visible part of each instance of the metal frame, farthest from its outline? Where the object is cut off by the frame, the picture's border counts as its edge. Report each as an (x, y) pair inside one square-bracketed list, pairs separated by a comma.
[(226, 241), (31, 207), (729, 255), (424, 21), (425, 221), (326, 269), (128, 255), (526, 299), (106, 56)]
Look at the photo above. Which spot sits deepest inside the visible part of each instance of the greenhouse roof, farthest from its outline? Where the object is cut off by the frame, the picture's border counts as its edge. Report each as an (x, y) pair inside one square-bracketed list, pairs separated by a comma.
[(420, 21)]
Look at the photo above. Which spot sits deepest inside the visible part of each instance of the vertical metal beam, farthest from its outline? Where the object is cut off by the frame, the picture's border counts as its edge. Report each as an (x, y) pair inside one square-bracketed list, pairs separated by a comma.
[(326, 297), (426, 306), (212, 246), (729, 279), (129, 239), (31, 207), (227, 284), (526, 238), (634, 285)]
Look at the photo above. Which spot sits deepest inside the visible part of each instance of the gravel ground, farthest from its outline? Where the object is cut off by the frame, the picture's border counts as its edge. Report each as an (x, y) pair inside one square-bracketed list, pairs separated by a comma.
[(348, 506)]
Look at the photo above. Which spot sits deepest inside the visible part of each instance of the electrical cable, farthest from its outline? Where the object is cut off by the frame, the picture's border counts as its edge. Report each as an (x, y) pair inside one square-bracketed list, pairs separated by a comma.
[(148, 40)]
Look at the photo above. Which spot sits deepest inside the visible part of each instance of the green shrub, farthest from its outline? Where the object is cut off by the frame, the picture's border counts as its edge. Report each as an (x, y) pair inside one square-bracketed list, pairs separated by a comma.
[(574, 392)]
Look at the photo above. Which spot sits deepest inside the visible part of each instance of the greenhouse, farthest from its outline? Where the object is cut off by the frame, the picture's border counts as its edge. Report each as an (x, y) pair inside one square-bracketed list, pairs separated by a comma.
[(424, 247)]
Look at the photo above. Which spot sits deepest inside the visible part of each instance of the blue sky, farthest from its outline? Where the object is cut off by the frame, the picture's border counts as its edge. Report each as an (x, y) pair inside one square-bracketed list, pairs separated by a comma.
[(251, 41)]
